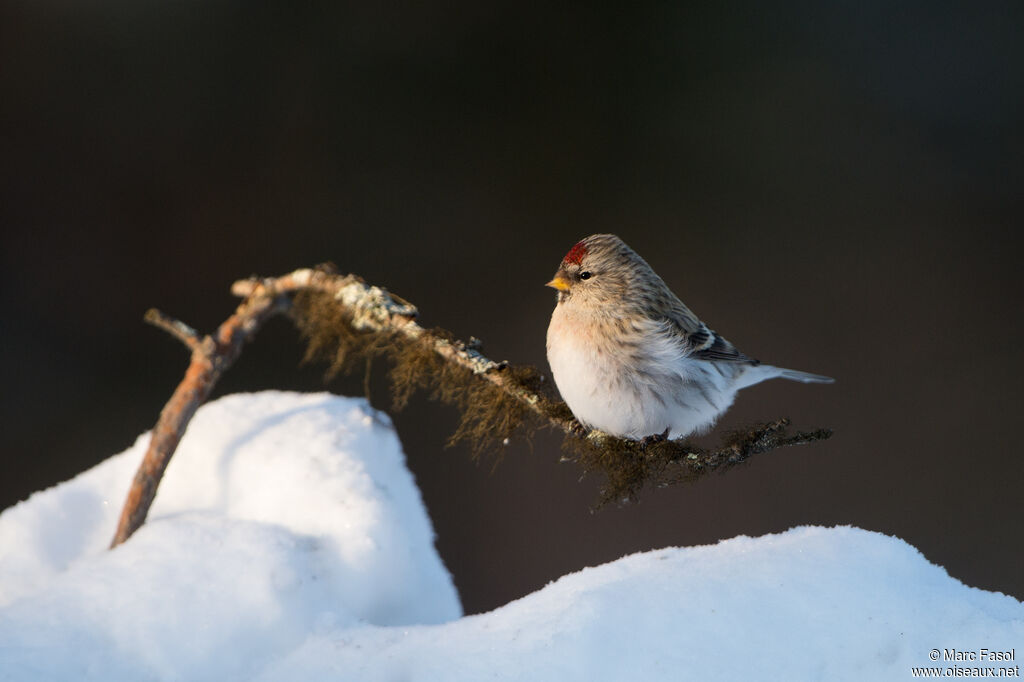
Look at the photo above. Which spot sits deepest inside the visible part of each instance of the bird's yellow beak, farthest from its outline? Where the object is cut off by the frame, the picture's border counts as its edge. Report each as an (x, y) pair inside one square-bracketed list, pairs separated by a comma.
[(559, 282)]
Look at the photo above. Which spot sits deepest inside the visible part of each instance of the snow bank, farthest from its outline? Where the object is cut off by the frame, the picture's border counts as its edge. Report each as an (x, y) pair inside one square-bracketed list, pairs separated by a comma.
[(288, 542), (809, 604), (280, 515)]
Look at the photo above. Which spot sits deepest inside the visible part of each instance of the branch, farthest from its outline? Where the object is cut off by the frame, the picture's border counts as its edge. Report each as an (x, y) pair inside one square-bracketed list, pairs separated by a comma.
[(176, 328), (628, 465), (211, 357), (345, 319), (373, 309)]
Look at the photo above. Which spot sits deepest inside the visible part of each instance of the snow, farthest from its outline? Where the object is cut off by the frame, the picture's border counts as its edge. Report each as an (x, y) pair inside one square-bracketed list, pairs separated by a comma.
[(280, 515), (809, 604), (289, 542)]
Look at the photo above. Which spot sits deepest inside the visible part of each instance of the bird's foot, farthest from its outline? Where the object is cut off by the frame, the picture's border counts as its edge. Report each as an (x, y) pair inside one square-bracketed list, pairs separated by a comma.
[(578, 428), (652, 439)]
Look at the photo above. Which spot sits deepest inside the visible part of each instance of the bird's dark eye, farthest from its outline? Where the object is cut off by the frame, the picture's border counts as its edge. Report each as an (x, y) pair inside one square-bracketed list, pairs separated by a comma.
[(586, 274)]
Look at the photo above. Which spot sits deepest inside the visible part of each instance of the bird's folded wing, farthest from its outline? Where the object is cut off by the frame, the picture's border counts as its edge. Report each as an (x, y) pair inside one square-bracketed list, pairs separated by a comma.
[(702, 341)]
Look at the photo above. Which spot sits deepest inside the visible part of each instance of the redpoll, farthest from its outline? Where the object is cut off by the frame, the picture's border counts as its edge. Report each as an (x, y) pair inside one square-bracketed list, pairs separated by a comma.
[(630, 359)]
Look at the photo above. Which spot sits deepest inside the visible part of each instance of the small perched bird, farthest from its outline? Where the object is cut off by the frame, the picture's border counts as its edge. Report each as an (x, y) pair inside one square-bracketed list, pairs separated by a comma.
[(630, 359)]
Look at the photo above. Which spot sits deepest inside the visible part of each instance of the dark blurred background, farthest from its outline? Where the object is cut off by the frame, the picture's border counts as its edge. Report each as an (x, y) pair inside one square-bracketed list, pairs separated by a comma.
[(836, 187)]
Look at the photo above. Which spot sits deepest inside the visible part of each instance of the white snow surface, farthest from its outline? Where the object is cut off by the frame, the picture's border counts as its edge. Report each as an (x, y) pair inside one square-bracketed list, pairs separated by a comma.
[(288, 542)]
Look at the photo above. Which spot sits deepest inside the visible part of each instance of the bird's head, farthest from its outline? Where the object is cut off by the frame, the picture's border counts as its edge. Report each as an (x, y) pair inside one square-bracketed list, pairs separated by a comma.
[(601, 270)]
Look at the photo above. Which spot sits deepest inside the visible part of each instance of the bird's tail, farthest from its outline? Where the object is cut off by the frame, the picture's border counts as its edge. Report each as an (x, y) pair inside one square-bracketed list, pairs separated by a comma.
[(805, 377), (757, 373)]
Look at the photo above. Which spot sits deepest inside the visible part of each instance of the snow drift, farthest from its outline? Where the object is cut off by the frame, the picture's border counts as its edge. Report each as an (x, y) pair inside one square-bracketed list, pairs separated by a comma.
[(288, 541)]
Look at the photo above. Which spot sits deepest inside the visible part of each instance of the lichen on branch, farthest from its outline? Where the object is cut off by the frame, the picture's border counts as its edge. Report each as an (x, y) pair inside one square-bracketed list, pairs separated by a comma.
[(494, 399)]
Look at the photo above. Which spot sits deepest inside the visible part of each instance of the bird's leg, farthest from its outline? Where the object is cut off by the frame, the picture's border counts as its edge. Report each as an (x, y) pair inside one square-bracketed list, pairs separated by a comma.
[(577, 427), (647, 441)]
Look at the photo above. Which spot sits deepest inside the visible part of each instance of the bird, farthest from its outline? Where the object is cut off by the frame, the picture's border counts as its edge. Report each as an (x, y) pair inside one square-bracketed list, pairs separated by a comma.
[(630, 359)]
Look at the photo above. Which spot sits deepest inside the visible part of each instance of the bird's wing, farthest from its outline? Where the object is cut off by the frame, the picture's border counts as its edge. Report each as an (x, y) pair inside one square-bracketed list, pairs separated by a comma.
[(702, 341)]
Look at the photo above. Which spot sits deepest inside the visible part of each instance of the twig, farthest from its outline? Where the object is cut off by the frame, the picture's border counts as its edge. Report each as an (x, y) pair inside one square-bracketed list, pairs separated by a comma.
[(176, 328), (211, 357), (627, 464)]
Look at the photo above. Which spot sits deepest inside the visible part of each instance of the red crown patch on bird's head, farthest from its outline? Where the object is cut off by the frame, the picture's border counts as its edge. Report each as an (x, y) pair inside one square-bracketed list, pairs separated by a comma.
[(576, 254)]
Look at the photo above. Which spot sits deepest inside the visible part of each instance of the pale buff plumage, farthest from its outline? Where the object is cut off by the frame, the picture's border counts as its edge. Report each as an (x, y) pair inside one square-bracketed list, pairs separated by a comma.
[(630, 359)]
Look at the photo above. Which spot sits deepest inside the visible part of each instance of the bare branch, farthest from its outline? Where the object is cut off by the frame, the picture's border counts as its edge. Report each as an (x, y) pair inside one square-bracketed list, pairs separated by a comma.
[(176, 328), (211, 356), (345, 318)]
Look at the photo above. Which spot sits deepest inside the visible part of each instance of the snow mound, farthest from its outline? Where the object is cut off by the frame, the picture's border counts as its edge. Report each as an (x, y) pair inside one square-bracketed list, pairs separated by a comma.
[(280, 515), (288, 542), (809, 604)]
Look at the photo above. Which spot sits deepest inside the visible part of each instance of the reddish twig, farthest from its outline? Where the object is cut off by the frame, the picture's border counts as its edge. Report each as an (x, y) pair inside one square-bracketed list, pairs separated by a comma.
[(211, 356), (176, 328)]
